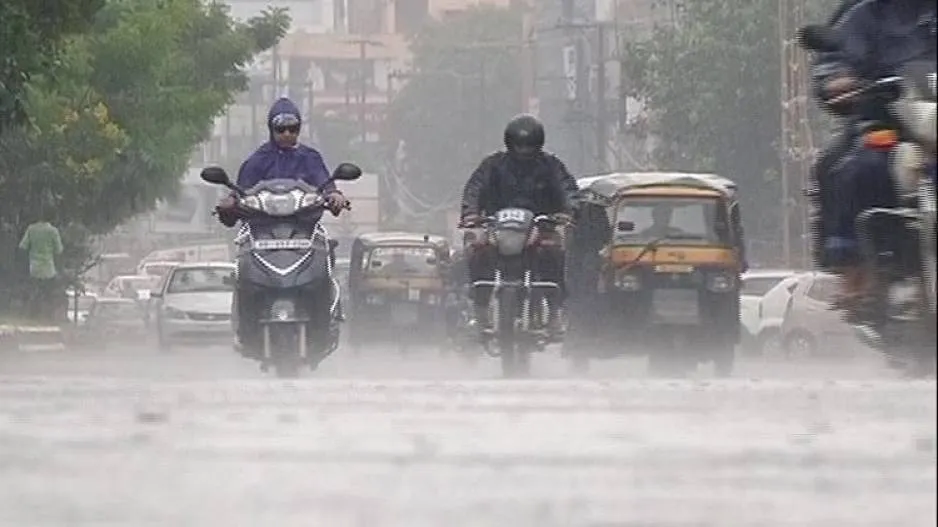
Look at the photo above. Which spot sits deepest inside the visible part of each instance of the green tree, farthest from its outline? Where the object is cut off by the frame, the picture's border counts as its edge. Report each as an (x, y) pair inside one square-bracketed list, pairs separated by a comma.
[(113, 122), (31, 33), (464, 85), (712, 84)]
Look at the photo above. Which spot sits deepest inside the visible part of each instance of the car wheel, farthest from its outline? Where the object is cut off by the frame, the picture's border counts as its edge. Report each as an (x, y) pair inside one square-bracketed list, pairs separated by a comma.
[(162, 342), (770, 343), (800, 343)]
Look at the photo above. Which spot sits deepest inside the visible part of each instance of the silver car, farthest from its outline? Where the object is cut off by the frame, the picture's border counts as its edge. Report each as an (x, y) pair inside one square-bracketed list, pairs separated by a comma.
[(194, 303)]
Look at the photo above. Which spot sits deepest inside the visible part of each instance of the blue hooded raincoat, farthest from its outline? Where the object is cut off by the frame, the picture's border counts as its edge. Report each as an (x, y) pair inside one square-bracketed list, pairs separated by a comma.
[(270, 161)]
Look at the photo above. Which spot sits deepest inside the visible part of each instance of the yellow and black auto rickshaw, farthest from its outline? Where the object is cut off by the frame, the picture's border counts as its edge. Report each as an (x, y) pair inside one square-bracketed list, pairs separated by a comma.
[(396, 289), (667, 279)]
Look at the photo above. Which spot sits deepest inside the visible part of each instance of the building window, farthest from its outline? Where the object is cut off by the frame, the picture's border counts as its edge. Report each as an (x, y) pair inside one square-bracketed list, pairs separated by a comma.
[(365, 16), (409, 15)]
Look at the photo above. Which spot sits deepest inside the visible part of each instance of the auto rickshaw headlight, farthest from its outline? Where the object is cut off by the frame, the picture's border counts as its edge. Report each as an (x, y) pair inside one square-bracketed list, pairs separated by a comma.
[(628, 282), (374, 300), (721, 283)]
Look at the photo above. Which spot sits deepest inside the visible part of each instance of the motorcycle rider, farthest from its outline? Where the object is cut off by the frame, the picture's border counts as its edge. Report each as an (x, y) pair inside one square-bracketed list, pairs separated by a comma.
[(281, 157), (878, 37), (821, 191), (523, 175)]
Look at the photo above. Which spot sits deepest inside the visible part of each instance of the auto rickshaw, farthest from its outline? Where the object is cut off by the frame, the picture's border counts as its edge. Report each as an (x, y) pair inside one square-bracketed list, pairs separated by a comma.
[(667, 282), (396, 286)]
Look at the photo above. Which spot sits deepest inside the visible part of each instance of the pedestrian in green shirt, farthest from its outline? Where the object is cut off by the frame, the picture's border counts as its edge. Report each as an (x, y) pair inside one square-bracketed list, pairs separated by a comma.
[(42, 243)]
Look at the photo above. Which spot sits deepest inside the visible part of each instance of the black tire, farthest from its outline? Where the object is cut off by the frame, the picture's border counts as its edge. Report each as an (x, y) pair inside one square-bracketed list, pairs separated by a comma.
[(800, 343), (286, 359), (579, 365), (515, 359), (724, 360), (162, 343)]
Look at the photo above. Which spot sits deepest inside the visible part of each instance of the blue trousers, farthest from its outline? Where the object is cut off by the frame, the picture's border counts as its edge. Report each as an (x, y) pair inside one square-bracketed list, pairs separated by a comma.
[(861, 181)]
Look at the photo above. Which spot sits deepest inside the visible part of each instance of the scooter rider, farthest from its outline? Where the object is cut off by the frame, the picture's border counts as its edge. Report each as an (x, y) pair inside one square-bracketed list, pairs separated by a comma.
[(523, 175), (878, 37), (282, 157)]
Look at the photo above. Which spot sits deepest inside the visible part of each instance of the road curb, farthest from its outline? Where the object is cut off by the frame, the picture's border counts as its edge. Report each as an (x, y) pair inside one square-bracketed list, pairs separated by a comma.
[(31, 338)]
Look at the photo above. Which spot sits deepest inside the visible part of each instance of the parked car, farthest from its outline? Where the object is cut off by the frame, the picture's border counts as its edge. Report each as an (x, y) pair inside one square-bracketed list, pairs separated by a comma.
[(194, 303), (79, 308), (811, 328), (115, 320), (156, 268), (134, 287), (763, 299)]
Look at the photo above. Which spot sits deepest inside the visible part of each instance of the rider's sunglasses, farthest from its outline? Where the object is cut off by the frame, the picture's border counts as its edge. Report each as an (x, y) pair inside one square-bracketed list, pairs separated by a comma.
[(284, 129)]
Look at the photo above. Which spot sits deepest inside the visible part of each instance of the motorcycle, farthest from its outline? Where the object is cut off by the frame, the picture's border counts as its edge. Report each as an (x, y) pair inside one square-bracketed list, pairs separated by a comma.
[(519, 308), (285, 269), (899, 243)]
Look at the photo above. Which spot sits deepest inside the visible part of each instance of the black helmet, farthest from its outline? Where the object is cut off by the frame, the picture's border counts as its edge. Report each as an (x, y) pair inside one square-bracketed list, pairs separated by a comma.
[(524, 135)]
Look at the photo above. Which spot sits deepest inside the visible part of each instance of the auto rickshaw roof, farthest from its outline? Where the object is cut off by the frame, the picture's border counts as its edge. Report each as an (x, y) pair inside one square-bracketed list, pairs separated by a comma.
[(604, 187), (400, 237)]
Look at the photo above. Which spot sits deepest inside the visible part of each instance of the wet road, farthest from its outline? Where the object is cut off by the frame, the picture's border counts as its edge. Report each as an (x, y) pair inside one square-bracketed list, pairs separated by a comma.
[(200, 437)]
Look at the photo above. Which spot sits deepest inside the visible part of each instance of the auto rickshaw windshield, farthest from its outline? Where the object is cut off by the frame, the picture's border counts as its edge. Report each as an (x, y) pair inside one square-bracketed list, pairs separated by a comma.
[(410, 261), (692, 220)]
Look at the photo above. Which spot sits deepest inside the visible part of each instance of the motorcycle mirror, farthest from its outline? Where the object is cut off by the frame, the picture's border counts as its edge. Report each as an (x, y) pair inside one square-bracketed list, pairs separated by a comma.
[(347, 172), (215, 176), (625, 226), (817, 38)]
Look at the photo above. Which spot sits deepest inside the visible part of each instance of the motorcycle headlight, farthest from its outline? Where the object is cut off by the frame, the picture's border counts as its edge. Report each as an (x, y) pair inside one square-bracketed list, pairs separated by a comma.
[(721, 282), (278, 204), (511, 242), (628, 282), (282, 310)]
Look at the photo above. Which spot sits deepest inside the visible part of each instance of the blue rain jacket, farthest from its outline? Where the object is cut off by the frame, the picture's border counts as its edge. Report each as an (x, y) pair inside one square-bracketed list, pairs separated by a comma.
[(270, 161)]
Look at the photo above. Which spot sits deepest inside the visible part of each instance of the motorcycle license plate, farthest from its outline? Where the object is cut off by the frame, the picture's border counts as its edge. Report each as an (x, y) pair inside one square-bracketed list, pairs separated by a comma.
[(404, 314)]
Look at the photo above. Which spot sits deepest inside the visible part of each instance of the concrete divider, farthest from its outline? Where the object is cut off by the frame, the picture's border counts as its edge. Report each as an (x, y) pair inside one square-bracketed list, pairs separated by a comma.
[(31, 338)]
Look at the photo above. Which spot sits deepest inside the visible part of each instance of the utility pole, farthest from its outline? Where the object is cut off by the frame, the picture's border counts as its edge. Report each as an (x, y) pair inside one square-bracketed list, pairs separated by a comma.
[(362, 43), (797, 149), (598, 117), (602, 142)]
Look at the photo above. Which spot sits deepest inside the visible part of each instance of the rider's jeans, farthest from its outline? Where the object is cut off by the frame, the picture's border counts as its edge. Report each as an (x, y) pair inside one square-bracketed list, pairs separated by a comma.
[(861, 181)]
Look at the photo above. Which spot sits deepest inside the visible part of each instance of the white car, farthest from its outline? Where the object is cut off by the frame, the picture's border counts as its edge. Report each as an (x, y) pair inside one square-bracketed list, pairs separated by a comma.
[(194, 303), (134, 287), (763, 298), (156, 268)]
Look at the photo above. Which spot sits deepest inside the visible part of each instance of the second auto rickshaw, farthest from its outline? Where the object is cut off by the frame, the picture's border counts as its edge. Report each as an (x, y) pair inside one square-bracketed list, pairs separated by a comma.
[(666, 281), (396, 288)]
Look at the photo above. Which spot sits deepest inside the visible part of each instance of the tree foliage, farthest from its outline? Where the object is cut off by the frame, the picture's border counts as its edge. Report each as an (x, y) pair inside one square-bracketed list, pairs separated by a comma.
[(712, 83), (31, 33), (464, 85), (113, 121)]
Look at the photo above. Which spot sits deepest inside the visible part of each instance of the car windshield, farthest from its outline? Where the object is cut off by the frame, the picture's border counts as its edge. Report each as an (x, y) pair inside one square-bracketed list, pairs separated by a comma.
[(690, 220), (158, 270), (117, 311), (759, 285), (200, 280), (418, 261)]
